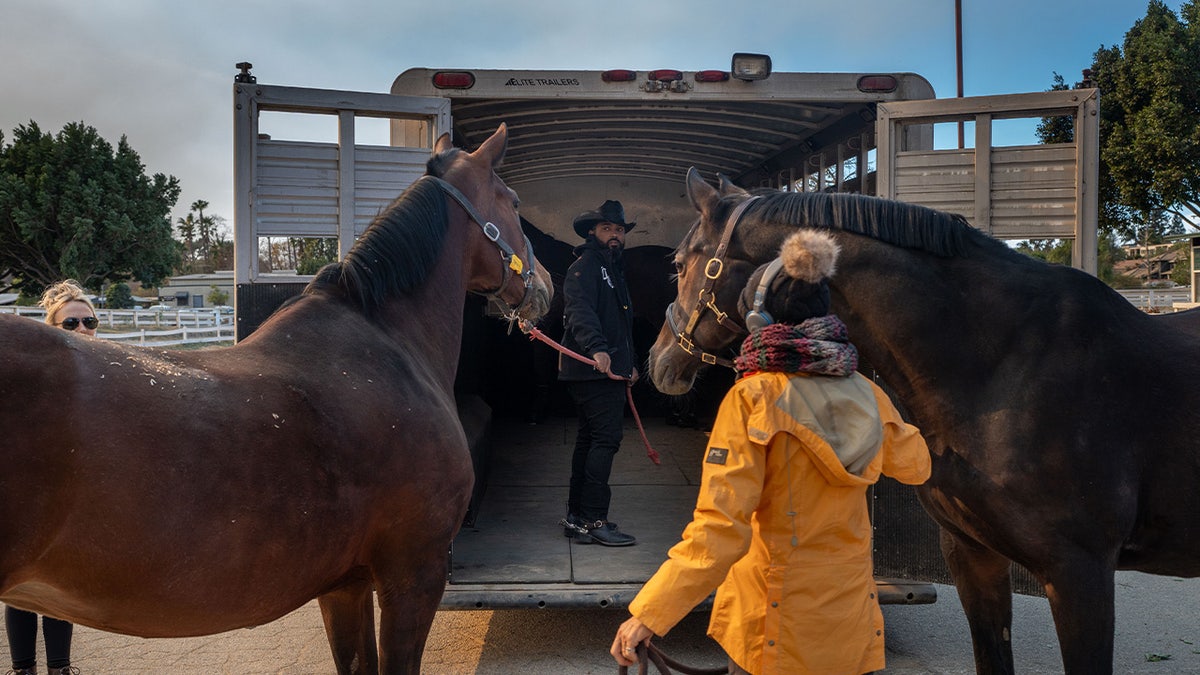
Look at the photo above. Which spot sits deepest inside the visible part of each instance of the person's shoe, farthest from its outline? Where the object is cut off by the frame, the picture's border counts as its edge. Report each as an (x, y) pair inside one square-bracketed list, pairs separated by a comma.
[(65, 670), (606, 534), (573, 525), (23, 671)]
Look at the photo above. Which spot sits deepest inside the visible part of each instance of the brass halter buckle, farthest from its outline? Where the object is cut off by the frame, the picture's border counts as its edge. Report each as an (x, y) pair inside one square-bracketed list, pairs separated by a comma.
[(707, 298)]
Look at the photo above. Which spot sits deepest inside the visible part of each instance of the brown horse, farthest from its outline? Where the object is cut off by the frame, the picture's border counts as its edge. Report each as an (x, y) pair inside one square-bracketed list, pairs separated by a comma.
[(167, 494), (1061, 419)]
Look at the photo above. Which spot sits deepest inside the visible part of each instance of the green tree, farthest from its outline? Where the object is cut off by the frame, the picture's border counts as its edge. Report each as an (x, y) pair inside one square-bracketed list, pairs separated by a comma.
[(313, 254), (205, 247), (187, 231), (72, 206), (1149, 125), (1181, 274), (118, 296), (216, 296)]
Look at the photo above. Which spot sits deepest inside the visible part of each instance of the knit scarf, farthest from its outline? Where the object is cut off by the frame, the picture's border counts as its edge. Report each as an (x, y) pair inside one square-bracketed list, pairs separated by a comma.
[(819, 345)]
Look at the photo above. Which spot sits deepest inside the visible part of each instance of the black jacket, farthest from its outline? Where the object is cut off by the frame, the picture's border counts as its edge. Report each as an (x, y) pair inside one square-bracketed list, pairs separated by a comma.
[(597, 314)]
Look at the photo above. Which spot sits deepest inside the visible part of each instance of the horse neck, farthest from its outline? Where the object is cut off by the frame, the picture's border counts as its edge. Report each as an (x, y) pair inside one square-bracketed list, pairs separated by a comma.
[(911, 321), (428, 321)]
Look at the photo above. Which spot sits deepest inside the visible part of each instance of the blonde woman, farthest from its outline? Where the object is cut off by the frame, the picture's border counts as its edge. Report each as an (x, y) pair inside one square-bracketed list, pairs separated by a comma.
[(68, 307)]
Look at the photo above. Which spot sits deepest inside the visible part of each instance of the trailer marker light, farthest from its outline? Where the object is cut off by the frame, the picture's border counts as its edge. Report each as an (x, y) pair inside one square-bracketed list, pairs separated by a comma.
[(711, 76), (618, 75), (882, 84), (666, 75), (453, 79)]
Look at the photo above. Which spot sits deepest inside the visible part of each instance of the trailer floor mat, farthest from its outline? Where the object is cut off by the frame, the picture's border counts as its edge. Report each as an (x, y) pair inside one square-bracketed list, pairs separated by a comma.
[(515, 539), (656, 515)]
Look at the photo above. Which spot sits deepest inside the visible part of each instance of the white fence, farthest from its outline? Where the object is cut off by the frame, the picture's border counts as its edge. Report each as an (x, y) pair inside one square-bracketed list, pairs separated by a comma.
[(153, 327), (1158, 299)]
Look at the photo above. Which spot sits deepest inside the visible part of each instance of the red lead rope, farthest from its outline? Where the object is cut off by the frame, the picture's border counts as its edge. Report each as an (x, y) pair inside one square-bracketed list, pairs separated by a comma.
[(534, 333)]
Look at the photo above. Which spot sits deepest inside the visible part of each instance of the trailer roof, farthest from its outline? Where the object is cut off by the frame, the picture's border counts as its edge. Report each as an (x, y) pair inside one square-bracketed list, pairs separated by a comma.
[(571, 124)]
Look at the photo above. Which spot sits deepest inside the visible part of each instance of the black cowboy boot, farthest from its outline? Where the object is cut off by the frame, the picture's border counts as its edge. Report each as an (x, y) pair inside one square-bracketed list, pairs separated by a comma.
[(605, 533)]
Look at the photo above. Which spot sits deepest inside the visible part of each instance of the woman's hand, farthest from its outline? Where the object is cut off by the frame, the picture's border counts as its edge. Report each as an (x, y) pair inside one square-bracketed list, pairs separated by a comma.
[(624, 647)]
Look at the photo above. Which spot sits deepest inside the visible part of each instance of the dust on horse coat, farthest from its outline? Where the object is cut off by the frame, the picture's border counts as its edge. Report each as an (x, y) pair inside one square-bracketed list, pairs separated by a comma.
[(177, 493), (1061, 419)]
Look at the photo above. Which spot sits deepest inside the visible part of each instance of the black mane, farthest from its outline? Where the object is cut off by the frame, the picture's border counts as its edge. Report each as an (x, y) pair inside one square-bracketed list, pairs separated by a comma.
[(905, 225), (395, 253)]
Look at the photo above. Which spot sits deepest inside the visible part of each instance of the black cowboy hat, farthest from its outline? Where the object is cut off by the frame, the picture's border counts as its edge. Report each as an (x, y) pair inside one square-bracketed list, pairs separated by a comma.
[(610, 211)]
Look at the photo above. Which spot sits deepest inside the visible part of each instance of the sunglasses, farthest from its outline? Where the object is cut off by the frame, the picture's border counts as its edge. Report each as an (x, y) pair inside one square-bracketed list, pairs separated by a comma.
[(89, 322)]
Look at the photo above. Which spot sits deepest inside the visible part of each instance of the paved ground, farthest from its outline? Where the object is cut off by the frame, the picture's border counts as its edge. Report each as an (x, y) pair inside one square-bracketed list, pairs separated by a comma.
[(1158, 633)]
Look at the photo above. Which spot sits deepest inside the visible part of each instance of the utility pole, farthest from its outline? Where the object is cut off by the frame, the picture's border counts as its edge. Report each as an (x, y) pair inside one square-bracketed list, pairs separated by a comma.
[(958, 61)]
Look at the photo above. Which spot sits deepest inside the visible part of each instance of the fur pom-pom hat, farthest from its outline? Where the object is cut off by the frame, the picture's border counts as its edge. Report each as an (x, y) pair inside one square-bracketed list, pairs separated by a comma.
[(809, 259)]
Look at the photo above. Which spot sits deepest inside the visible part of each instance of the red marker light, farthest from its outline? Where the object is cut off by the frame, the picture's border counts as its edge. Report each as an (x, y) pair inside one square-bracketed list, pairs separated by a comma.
[(877, 83), (458, 79), (712, 76), (666, 75), (618, 75)]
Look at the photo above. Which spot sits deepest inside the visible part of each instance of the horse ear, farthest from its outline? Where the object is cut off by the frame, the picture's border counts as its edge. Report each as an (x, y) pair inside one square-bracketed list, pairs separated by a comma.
[(493, 148), (728, 188), (443, 144), (702, 195)]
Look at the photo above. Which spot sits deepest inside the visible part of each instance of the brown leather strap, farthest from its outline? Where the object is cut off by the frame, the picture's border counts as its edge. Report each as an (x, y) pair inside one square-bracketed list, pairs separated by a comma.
[(650, 653)]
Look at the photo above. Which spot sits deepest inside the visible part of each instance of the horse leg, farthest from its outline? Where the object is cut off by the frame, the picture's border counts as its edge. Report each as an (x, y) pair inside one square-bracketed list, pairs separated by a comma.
[(349, 615), (1082, 597), (407, 605), (984, 583)]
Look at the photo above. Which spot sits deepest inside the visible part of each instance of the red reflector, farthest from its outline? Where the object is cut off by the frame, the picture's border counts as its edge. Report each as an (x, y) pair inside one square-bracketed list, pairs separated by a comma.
[(877, 83), (665, 75), (618, 75), (712, 76), (453, 80)]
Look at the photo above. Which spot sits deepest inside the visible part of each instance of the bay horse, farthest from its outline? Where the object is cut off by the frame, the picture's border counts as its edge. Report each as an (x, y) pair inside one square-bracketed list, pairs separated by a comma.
[(1061, 419), (177, 493)]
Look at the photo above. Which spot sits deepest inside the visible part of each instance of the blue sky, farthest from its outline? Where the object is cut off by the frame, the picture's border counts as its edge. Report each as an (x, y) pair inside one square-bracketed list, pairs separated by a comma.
[(161, 72)]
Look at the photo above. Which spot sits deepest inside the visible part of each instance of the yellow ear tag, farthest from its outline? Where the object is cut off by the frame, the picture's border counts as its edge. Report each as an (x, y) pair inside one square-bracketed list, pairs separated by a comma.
[(515, 264)]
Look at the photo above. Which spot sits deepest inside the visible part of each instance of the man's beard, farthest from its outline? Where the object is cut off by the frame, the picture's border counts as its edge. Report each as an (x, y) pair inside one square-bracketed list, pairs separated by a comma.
[(615, 248)]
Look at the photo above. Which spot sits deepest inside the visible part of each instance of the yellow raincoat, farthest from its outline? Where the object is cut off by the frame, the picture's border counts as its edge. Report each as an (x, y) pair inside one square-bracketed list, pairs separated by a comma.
[(781, 525)]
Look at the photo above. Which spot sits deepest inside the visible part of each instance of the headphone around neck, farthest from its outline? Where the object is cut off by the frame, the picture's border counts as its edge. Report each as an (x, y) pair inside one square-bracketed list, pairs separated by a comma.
[(757, 318)]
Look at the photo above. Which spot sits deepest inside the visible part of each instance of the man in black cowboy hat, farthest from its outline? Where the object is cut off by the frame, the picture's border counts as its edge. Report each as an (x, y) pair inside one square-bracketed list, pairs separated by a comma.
[(598, 320)]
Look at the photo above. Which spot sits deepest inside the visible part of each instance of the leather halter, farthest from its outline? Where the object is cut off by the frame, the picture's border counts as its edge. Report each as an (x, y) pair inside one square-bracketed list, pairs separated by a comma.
[(707, 299), (508, 256)]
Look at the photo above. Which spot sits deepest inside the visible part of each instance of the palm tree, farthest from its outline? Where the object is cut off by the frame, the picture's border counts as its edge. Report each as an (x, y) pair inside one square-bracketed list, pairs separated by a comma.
[(187, 230), (204, 231)]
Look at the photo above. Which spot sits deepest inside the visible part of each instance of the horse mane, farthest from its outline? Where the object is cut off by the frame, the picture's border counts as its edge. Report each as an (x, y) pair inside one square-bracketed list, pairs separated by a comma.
[(395, 253), (906, 225)]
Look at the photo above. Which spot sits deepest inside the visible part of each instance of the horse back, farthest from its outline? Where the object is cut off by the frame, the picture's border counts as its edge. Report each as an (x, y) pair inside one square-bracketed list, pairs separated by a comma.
[(308, 455)]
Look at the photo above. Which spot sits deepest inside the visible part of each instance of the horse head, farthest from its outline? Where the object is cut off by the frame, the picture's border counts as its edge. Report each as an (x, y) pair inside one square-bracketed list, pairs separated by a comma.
[(500, 259), (712, 265)]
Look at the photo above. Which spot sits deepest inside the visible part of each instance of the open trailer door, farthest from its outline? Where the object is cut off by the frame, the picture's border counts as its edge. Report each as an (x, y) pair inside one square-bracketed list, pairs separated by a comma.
[(315, 186), (1033, 191)]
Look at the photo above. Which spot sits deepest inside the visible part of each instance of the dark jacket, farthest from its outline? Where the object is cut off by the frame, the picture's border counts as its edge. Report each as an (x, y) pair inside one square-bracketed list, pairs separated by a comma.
[(597, 315)]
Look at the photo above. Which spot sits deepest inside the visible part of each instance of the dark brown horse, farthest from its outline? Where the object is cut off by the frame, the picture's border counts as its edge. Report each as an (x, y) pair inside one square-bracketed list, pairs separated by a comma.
[(168, 494), (1061, 419)]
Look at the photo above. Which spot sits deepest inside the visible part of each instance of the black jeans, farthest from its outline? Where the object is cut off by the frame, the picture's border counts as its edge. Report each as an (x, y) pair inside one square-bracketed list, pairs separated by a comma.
[(601, 408), (22, 639)]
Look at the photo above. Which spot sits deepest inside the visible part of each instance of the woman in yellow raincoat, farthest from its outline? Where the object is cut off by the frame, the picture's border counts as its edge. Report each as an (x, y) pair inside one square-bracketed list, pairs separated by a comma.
[(781, 528)]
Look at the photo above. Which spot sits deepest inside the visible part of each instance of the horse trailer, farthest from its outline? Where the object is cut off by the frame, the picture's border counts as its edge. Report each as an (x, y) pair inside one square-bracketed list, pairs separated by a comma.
[(577, 138)]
